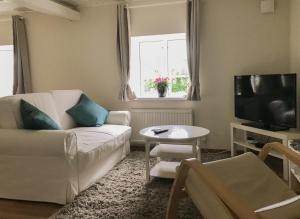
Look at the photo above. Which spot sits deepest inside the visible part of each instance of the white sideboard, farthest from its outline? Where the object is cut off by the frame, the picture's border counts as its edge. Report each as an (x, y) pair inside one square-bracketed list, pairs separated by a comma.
[(239, 133)]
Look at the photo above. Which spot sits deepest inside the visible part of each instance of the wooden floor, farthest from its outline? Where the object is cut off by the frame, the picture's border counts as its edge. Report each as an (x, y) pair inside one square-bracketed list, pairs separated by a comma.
[(10, 209)]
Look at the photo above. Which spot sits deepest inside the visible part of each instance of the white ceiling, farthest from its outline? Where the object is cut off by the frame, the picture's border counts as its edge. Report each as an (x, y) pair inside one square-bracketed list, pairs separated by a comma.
[(69, 9), (17, 7), (89, 3), (95, 3)]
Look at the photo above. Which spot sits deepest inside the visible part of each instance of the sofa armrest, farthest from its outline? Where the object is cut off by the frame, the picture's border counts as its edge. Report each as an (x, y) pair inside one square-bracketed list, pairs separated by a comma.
[(43, 143), (119, 118)]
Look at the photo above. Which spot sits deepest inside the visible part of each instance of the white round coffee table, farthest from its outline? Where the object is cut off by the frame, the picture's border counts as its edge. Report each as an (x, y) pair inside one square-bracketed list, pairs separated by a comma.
[(179, 141)]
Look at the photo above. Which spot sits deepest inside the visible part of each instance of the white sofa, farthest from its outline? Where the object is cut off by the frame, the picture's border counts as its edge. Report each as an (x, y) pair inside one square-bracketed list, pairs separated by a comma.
[(54, 166)]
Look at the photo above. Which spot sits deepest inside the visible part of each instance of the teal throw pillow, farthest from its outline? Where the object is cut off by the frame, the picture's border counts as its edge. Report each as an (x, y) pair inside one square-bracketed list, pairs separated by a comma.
[(87, 113), (35, 119)]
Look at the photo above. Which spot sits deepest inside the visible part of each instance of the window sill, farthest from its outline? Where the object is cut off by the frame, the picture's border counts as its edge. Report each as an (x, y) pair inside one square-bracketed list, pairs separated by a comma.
[(161, 99)]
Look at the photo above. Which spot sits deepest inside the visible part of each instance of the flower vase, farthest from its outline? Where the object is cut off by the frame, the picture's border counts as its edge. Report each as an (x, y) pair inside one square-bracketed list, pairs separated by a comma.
[(162, 92)]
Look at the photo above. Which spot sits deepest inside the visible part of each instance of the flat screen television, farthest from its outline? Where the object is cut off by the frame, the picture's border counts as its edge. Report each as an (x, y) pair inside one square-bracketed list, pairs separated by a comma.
[(269, 101)]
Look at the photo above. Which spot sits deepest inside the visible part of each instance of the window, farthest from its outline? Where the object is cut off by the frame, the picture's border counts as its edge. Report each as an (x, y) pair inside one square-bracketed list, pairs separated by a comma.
[(159, 56), (6, 70)]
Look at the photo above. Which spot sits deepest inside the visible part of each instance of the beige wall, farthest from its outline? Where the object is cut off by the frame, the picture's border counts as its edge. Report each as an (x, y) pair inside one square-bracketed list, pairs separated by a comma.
[(236, 38), (6, 37), (295, 35), (158, 20), (295, 43)]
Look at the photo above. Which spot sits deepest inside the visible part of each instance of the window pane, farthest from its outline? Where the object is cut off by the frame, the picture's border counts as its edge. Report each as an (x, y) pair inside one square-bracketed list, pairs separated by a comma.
[(159, 56), (178, 67), (6, 70), (153, 64)]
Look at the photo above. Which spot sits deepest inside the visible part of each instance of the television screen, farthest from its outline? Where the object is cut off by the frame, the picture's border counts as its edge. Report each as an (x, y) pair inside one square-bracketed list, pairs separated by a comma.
[(269, 99)]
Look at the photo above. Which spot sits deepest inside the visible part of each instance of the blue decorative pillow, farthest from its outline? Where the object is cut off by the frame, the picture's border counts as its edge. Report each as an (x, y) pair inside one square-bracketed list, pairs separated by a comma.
[(35, 119), (87, 113)]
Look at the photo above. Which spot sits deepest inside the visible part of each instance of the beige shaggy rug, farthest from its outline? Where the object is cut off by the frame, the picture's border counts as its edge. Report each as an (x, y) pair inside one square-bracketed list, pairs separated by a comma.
[(123, 194)]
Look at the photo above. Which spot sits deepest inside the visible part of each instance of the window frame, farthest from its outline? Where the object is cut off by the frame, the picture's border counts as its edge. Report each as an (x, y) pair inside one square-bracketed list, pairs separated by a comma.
[(154, 38), (9, 48)]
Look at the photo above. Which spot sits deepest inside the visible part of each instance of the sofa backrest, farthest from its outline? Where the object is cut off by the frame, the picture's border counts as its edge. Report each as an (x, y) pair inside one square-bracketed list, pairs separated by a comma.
[(64, 100), (10, 116)]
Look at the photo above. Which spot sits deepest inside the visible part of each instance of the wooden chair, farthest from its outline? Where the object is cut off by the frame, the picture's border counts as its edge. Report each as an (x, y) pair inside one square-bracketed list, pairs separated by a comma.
[(236, 187)]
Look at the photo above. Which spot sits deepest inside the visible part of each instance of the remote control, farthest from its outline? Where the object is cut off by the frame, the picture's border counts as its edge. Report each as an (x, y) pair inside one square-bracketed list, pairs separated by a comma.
[(159, 131)]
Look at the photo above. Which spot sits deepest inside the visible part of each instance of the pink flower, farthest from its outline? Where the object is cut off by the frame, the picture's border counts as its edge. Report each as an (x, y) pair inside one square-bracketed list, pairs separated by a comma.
[(160, 80)]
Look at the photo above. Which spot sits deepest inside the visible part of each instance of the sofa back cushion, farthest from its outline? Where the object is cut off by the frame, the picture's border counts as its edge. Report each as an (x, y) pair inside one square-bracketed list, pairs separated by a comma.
[(10, 116), (64, 100), (35, 119)]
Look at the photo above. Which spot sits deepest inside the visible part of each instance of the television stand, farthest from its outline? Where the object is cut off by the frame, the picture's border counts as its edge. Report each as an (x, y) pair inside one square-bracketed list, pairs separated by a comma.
[(240, 132), (268, 127)]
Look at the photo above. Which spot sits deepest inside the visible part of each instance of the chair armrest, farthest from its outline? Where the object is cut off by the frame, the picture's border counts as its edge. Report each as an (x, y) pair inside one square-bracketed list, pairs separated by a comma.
[(284, 150), (119, 118), (45, 143)]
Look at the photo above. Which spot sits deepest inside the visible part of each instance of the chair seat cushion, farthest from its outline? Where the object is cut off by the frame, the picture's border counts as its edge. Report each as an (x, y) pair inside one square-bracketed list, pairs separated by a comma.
[(251, 179), (287, 209), (205, 199), (247, 177), (87, 113)]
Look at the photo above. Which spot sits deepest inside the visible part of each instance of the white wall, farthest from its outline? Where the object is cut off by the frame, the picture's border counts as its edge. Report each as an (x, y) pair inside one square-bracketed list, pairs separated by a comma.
[(164, 19), (295, 44), (236, 38), (294, 35), (6, 37)]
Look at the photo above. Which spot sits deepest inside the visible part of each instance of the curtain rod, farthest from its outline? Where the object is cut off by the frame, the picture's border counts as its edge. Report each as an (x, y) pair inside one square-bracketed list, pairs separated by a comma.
[(141, 5)]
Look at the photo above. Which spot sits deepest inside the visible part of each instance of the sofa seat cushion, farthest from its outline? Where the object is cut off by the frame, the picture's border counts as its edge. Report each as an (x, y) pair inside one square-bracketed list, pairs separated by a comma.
[(94, 143)]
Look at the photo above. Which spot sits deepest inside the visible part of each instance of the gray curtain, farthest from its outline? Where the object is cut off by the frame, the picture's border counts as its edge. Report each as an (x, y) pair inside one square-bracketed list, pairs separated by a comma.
[(193, 48), (123, 43), (22, 74)]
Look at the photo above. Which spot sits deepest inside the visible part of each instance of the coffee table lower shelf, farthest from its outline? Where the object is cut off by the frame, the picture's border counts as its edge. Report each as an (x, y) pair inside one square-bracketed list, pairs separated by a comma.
[(164, 169)]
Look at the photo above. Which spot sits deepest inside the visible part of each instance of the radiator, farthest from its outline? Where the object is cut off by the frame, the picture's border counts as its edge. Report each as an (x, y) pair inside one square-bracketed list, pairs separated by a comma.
[(142, 118)]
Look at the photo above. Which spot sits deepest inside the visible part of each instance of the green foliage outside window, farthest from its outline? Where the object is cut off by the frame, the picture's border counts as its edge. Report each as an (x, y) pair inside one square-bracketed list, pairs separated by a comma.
[(149, 85), (180, 84)]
